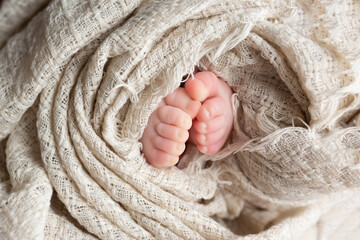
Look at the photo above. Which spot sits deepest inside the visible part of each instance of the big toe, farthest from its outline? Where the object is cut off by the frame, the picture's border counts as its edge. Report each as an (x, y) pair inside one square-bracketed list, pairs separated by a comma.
[(202, 86), (180, 99)]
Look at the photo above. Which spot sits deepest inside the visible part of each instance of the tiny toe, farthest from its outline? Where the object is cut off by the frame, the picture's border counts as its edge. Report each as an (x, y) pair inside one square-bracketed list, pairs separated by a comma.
[(211, 108), (168, 146), (200, 127), (209, 126), (210, 138), (172, 132), (180, 99), (209, 149), (174, 116), (200, 138), (202, 148), (161, 159)]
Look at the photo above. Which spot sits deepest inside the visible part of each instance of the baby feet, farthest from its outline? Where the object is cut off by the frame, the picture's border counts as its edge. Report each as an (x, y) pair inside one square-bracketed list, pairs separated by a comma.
[(207, 100)]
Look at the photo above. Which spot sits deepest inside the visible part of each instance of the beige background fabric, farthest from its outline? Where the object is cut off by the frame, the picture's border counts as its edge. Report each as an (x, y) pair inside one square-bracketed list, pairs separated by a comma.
[(79, 80)]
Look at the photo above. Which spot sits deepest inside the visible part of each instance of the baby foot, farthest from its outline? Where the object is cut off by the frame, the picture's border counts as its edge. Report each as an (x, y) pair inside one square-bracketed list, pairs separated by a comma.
[(167, 130), (213, 123)]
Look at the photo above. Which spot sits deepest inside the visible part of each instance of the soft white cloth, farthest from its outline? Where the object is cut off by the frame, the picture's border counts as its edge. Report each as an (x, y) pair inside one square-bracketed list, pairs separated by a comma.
[(79, 79)]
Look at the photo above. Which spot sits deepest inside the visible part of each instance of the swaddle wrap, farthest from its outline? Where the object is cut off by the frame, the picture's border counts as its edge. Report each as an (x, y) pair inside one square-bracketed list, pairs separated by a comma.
[(79, 80)]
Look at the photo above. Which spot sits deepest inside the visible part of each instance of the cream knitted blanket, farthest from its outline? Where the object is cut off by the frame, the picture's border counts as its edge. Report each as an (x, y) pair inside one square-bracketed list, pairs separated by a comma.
[(79, 79)]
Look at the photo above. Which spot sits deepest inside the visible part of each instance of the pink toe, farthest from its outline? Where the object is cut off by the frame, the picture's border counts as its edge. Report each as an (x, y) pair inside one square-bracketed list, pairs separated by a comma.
[(172, 132), (211, 148), (210, 138), (174, 116), (180, 99), (168, 146), (209, 126), (211, 108), (161, 159), (202, 86), (200, 138)]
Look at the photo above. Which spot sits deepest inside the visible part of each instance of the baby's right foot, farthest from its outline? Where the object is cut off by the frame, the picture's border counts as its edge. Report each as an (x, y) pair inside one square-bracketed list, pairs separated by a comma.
[(167, 130), (214, 121)]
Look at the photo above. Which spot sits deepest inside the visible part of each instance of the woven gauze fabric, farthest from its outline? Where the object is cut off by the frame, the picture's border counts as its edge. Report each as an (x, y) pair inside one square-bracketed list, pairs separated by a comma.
[(79, 80)]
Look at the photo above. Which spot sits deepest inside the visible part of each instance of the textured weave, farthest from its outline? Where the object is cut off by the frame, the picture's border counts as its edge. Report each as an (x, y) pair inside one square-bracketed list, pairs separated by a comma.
[(79, 80)]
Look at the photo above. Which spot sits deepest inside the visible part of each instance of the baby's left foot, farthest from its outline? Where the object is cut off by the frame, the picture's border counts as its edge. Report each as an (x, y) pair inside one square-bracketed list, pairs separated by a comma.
[(167, 129), (214, 121)]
